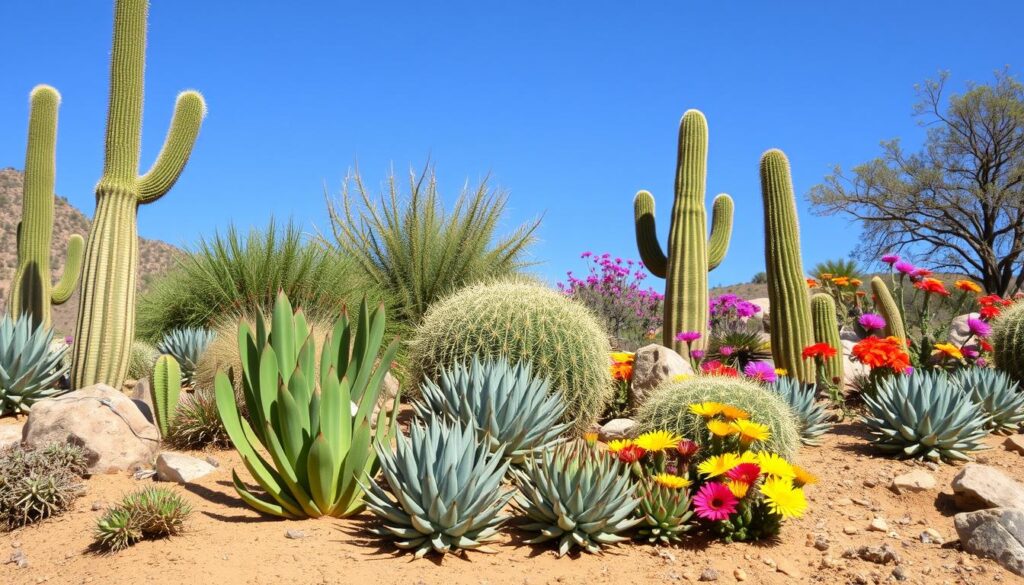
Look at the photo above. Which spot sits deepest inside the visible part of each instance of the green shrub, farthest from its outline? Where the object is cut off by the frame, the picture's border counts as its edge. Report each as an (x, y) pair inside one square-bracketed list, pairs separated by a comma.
[(141, 360), (196, 424), (524, 322), (152, 512), (668, 409), (37, 483)]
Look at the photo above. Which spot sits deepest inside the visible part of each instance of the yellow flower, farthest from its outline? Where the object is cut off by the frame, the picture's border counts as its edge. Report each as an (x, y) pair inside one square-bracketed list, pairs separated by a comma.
[(720, 428), (967, 286), (590, 437), (658, 440), (670, 481), (947, 350), (618, 445), (775, 466), (748, 457), (732, 413), (825, 276), (803, 477), (681, 377), (781, 372), (738, 488), (717, 465), (750, 431), (620, 357), (707, 409), (784, 499)]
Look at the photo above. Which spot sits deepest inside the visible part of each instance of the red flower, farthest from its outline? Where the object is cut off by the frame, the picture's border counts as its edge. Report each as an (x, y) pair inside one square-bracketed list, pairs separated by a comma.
[(985, 346), (687, 448), (989, 312), (631, 453), (717, 368), (823, 350), (932, 286)]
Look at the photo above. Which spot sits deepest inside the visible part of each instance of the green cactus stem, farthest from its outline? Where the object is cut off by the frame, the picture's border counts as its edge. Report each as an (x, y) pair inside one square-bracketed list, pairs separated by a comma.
[(826, 330), (165, 388), (791, 329), (106, 316), (31, 292), (887, 307), (691, 254)]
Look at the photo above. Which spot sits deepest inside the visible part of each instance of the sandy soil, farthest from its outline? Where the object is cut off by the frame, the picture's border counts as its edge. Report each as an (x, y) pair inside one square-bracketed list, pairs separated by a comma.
[(229, 543)]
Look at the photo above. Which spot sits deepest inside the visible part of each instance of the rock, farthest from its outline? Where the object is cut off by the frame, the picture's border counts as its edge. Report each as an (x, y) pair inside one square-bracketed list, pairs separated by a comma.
[(739, 575), (618, 428), (181, 468), (878, 525), (653, 365), (899, 573), (916, 481), (1015, 443), (708, 574), (212, 461), (959, 332), (294, 534), (787, 568), (996, 534), (98, 505), (765, 304), (143, 399), (18, 559), (931, 536), (881, 555), (821, 543), (980, 486), (10, 435), (103, 421), (850, 530)]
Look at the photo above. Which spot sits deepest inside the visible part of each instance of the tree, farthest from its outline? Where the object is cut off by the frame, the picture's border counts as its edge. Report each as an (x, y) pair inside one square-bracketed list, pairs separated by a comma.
[(957, 205)]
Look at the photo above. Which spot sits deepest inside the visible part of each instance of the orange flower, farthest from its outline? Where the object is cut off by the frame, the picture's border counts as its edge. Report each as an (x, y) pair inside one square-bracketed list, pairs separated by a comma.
[(841, 281), (932, 286), (811, 283), (967, 286), (622, 371), (823, 350), (876, 352), (856, 282)]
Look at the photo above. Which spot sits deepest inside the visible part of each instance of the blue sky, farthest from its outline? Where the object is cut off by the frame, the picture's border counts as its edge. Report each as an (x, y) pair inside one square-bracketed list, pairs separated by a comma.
[(571, 106)]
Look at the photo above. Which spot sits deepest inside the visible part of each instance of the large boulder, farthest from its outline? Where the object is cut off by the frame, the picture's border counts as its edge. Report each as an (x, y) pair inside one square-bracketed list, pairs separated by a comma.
[(107, 424), (959, 332), (980, 486), (653, 365), (996, 534)]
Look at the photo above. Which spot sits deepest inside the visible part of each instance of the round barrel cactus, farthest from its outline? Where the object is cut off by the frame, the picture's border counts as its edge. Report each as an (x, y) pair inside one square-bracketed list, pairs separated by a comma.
[(1008, 341), (525, 322)]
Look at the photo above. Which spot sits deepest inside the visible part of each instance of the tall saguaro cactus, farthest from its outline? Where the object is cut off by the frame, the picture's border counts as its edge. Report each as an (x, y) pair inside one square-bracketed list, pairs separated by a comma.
[(31, 291), (791, 329), (691, 255), (106, 316)]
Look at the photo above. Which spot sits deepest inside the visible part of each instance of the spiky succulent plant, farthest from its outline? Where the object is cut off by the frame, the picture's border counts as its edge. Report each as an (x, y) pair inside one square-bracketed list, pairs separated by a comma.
[(152, 512), (813, 418), (37, 483), (445, 489), (577, 495), (665, 506), (197, 424), (997, 395), (512, 410), (924, 415), (186, 346), (30, 365)]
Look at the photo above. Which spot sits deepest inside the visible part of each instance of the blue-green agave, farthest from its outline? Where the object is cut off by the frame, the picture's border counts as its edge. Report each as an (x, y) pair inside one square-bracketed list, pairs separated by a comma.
[(665, 511), (512, 410), (445, 489), (576, 495), (30, 367), (814, 419), (924, 415), (314, 423), (186, 346), (997, 395)]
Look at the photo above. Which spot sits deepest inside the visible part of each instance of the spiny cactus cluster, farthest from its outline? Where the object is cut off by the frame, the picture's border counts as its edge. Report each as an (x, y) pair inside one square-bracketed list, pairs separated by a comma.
[(1008, 341), (521, 322), (37, 483), (690, 254), (152, 512)]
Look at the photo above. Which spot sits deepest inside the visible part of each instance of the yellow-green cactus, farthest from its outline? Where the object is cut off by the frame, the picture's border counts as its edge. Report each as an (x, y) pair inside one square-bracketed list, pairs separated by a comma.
[(691, 254), (106, 316), (826, 330), (889, 309)]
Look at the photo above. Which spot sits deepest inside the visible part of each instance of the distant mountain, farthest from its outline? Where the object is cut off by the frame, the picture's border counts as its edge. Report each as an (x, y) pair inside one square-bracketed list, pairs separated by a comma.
[(155, 257)]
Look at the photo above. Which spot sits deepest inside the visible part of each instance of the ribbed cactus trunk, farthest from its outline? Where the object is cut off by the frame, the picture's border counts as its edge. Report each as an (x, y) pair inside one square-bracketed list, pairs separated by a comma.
[(889, 309), (791, 329), (690, 255), (826, 330), (106, 316), (31, 291)]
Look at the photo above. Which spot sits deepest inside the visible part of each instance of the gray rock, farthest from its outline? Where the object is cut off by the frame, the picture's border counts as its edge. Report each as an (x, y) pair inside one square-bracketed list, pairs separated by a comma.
[(618, 428), (10, 435), (104, 422), (708, 574), (181, 468), (996, 534), (852, 369), (959, 333), (980, 486), (654, 364), (916, 481)]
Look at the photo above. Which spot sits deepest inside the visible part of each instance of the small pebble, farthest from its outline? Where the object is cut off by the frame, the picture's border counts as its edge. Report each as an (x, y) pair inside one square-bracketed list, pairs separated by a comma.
[(740, 574), (294, 534), (708, 574), (878, 525), (899, 573), (821, 543), (850, 530)]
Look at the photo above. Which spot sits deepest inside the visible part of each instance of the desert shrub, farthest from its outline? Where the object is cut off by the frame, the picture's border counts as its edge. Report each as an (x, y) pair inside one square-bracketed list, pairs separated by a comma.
[(141, 359), (152, 512), (414, 250), (196, 424), (526, 322), (669, 409), (37, 483)]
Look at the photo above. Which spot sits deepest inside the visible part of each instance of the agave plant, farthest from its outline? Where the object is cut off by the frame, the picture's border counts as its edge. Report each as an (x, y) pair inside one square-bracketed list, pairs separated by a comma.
[(446, 486), (924, 415), (314, 423), (30, 366), (577, 495), (739, 348), (997, 395), (814, 419), (665, 505), (186, 346), (512, 411)]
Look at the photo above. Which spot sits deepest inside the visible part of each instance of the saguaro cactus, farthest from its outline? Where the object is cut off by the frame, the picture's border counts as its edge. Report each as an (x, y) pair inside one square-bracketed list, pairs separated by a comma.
[(31, 292), (791, 329), (886, 306), (106, 316), (691, 255), (826, 330)]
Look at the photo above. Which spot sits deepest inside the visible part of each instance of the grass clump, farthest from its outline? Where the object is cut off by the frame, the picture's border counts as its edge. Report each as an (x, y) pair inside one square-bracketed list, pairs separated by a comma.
[(152, 512)]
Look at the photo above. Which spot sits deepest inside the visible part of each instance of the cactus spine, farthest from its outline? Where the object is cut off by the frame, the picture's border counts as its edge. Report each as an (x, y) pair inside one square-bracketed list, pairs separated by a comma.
[(791, 329), (826, 330), (690, 256), (106, 315), (31, 292), (886, 306), (165, 387)]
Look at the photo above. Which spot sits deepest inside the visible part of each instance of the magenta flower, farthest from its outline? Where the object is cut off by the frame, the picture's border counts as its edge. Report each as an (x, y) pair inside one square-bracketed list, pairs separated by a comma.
[(905, 267), (688, 336), (697, 354), (970, 352), (744, 472), (979, 327), (726, 350), (871, 321), (760, 371), (714, 502), (890, 259)]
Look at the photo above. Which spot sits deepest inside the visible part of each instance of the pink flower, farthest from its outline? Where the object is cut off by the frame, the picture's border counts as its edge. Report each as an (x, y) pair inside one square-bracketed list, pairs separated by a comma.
[(890, 259), (979, 327), (744, 472), (904, 267), (714, 502), (760, 371), (688, 336), (871, 321)]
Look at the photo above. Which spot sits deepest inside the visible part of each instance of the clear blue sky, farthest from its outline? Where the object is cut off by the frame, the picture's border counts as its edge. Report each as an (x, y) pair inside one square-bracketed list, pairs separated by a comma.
[(571, 106)]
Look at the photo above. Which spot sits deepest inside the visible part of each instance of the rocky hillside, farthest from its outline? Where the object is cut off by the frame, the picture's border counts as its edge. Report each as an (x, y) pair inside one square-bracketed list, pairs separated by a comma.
[(155, 256)]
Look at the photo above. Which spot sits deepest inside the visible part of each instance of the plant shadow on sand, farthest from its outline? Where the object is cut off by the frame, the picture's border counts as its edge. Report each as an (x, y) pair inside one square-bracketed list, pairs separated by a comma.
[(228, 500)]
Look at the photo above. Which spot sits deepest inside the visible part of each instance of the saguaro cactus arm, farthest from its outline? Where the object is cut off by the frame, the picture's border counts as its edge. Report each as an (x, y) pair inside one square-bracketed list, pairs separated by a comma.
[(889, 309), (72, 270), (721, 230), (189, 111), (647, 236)]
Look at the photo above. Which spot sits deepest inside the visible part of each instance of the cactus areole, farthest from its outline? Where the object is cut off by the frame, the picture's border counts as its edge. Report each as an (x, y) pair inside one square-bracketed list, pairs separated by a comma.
[(106, 313)]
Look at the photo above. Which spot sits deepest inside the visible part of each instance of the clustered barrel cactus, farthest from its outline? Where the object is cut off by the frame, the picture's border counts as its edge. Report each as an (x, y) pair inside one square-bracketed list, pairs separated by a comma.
[(1008, 341), (690, 253)]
